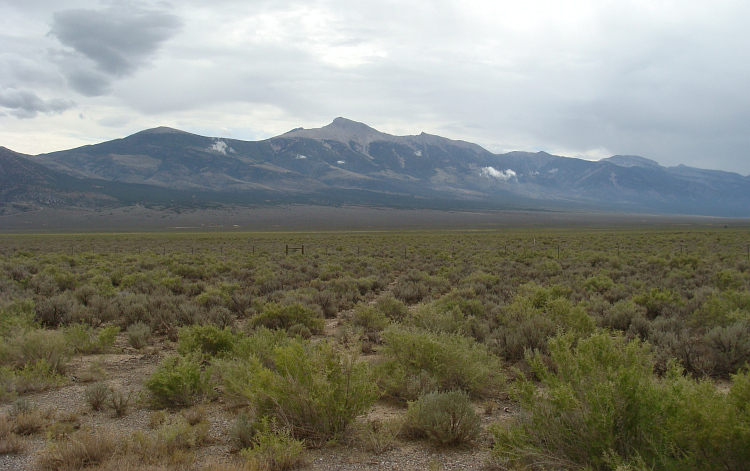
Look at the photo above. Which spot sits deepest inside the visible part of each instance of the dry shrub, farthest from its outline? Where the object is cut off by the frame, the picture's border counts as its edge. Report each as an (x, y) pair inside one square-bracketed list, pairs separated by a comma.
[(97, 395), (377, 436), (119, 402), (445, 419), (10, 442), (83, 449), (31, 422), (195, 415), (172, 443)]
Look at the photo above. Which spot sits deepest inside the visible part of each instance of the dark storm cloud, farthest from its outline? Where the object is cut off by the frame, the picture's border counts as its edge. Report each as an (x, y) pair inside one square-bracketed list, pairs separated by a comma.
[(26, 104), (118, 40)]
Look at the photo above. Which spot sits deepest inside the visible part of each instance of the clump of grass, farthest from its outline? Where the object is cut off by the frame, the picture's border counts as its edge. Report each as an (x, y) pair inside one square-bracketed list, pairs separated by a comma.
[(97, 395), (86, 448), (172, 442), (119, 401), (10, 442), (445, 419), (377, 436), (139, 335)]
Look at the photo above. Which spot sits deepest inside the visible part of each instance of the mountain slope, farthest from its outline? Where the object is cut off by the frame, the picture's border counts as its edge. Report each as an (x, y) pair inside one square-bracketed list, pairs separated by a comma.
[(347, 161)]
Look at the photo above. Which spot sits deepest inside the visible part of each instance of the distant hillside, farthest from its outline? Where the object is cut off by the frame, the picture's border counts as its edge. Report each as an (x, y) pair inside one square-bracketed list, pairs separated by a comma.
[(347, 162)]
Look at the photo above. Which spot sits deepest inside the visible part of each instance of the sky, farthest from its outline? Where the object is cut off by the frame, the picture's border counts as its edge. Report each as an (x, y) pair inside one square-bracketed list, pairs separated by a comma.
[(667, 80)]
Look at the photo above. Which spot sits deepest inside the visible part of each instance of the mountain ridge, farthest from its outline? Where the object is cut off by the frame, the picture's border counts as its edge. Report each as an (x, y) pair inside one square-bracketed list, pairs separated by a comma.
[(346, 157)]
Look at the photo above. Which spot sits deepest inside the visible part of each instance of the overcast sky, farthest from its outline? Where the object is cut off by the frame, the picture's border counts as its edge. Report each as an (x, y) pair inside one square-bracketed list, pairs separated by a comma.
[(666, 80)]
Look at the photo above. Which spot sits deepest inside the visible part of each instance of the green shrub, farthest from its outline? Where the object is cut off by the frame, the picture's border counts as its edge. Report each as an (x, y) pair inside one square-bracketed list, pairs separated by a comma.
[(658, 301), (18, 316), (622, 315), (277, 316), (313, 390), (243, 433), (55, 311), (535, 314), (179, 381), (369, 318), (139, 334), (85, 339), (205, 340), (444, 418), (275, 451), (451, 361), (25, 348), (392, 308), (602, 408), (729, 347), (32, 377), (723, 309)]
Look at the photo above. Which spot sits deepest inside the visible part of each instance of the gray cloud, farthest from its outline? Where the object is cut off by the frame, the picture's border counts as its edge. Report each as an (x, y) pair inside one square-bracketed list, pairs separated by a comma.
[(118, 41), (26, 104), (666, 80)]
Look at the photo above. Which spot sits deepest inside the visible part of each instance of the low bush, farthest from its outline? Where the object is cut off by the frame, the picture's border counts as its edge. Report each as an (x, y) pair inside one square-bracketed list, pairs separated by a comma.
[(139, 334), (444, 418), (26, 348), (84, 339), (10, 442), (369, 318), (85, 449), (179, 381), (171, 443), (97, 395), (205, 340), (275, 451), (313, 390), (536, 314), (729, 348), (119, 402), (242, 434), (603, 409), (392, 308), (448, 360), (277, 316), (377, 436)]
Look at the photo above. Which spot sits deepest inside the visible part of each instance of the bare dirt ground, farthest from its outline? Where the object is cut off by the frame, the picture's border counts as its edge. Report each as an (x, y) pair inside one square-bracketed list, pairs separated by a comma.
[(313, 218)]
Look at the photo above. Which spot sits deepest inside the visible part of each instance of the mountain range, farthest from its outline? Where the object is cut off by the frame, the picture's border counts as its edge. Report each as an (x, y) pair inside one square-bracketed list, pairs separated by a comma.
[(347, 162)]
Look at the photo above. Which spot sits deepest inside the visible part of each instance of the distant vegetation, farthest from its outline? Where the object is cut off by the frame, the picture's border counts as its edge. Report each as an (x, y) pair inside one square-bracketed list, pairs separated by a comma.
[(623, 349)]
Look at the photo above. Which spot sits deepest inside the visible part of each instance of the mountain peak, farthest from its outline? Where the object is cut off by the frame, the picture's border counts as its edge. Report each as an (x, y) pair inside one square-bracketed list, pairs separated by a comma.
[(162, 130), (632, 161), (342, 130)]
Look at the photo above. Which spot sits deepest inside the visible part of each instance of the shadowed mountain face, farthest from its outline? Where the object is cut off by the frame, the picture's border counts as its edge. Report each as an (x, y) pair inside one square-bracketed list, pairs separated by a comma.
[(350, 162)]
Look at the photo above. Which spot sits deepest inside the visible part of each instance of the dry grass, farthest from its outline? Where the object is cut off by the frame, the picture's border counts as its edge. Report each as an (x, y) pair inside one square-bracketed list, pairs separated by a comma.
[(10, 442), (31, 422), (377, 436), (83, 449)]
